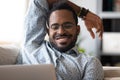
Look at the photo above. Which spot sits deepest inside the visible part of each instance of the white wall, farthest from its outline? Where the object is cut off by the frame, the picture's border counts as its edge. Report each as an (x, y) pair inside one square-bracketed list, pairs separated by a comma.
[(11, 20)]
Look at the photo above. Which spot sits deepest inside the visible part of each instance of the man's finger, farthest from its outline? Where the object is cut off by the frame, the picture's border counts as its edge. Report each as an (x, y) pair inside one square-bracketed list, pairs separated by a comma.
[(91, 32)]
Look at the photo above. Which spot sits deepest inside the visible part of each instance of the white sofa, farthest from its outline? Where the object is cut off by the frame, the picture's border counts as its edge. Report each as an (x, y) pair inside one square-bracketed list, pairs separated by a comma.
[(9, 53)]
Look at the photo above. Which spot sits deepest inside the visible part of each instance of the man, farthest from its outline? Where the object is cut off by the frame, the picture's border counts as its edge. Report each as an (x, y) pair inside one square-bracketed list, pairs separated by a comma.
[(60, 50)]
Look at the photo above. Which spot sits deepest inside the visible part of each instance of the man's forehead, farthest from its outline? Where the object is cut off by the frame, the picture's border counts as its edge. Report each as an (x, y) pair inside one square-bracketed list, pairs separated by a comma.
[(61, 18), (62, 11)]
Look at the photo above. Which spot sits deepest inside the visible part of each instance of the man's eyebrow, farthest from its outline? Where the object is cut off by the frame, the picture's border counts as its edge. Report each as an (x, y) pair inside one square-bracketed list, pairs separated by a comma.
[(54, 24), (68, 23)]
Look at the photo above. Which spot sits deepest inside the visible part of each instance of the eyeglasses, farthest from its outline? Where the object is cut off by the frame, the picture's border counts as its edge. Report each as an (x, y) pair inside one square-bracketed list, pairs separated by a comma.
[(65, 26)]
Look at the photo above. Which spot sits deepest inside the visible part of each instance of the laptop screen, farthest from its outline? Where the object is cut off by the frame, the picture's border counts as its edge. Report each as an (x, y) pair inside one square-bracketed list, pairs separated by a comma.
[(27, 72)]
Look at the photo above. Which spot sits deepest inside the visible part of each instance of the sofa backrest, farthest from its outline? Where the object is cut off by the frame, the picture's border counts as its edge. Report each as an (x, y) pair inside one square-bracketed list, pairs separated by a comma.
[(8, 54)]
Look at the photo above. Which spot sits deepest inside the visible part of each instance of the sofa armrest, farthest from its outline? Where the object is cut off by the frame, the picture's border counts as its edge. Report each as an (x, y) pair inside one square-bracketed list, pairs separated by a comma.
[(111, 73), (112, 78)]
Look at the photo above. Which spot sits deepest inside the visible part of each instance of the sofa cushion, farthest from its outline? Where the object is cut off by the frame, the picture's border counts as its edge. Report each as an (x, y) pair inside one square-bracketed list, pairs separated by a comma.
[(8, 54)]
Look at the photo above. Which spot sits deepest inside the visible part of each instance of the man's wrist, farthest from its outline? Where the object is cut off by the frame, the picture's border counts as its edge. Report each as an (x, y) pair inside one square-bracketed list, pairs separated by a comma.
[(82, 12)]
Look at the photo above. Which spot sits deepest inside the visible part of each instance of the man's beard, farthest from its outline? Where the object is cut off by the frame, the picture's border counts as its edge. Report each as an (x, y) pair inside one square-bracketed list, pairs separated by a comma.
[(64, 49)]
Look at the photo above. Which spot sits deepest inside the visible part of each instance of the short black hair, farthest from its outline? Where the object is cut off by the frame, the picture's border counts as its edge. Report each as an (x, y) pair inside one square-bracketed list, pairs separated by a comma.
[(60, 6)]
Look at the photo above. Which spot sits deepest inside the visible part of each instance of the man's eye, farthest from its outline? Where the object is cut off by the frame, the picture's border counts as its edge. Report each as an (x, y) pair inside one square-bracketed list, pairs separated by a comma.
[(68, 26), (54, 27)]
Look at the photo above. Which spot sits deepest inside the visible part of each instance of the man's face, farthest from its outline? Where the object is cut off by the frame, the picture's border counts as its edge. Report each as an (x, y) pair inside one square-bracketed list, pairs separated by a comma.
[(62, 31)]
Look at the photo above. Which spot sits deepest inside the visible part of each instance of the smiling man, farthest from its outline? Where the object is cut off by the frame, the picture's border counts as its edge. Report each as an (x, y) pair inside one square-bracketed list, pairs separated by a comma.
[(63, 29), (61, 49)]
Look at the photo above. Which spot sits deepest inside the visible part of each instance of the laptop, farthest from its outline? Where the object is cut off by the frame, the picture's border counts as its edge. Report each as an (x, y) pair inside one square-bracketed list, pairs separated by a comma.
[(27, 72)]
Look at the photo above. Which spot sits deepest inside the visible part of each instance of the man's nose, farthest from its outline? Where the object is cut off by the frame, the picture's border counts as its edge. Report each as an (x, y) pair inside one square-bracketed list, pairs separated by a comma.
[(61, 30)]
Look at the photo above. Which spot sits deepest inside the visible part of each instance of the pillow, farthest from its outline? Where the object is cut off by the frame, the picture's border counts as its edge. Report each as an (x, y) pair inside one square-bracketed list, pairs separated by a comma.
[(8, 54)]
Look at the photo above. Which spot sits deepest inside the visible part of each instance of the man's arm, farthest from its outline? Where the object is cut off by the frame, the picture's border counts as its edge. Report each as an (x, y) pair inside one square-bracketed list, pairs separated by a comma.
[(35, 31), (35, 24), (91, 21)]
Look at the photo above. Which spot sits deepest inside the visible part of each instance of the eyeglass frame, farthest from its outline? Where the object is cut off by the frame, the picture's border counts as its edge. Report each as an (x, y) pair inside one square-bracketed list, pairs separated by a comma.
[(65, 26)]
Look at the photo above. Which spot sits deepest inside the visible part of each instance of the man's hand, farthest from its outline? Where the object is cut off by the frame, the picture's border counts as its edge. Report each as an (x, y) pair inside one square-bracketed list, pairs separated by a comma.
[(93, 21)]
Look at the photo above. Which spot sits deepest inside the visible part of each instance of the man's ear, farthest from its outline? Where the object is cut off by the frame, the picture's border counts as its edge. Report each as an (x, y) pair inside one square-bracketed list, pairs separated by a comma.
[(78, 29)]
